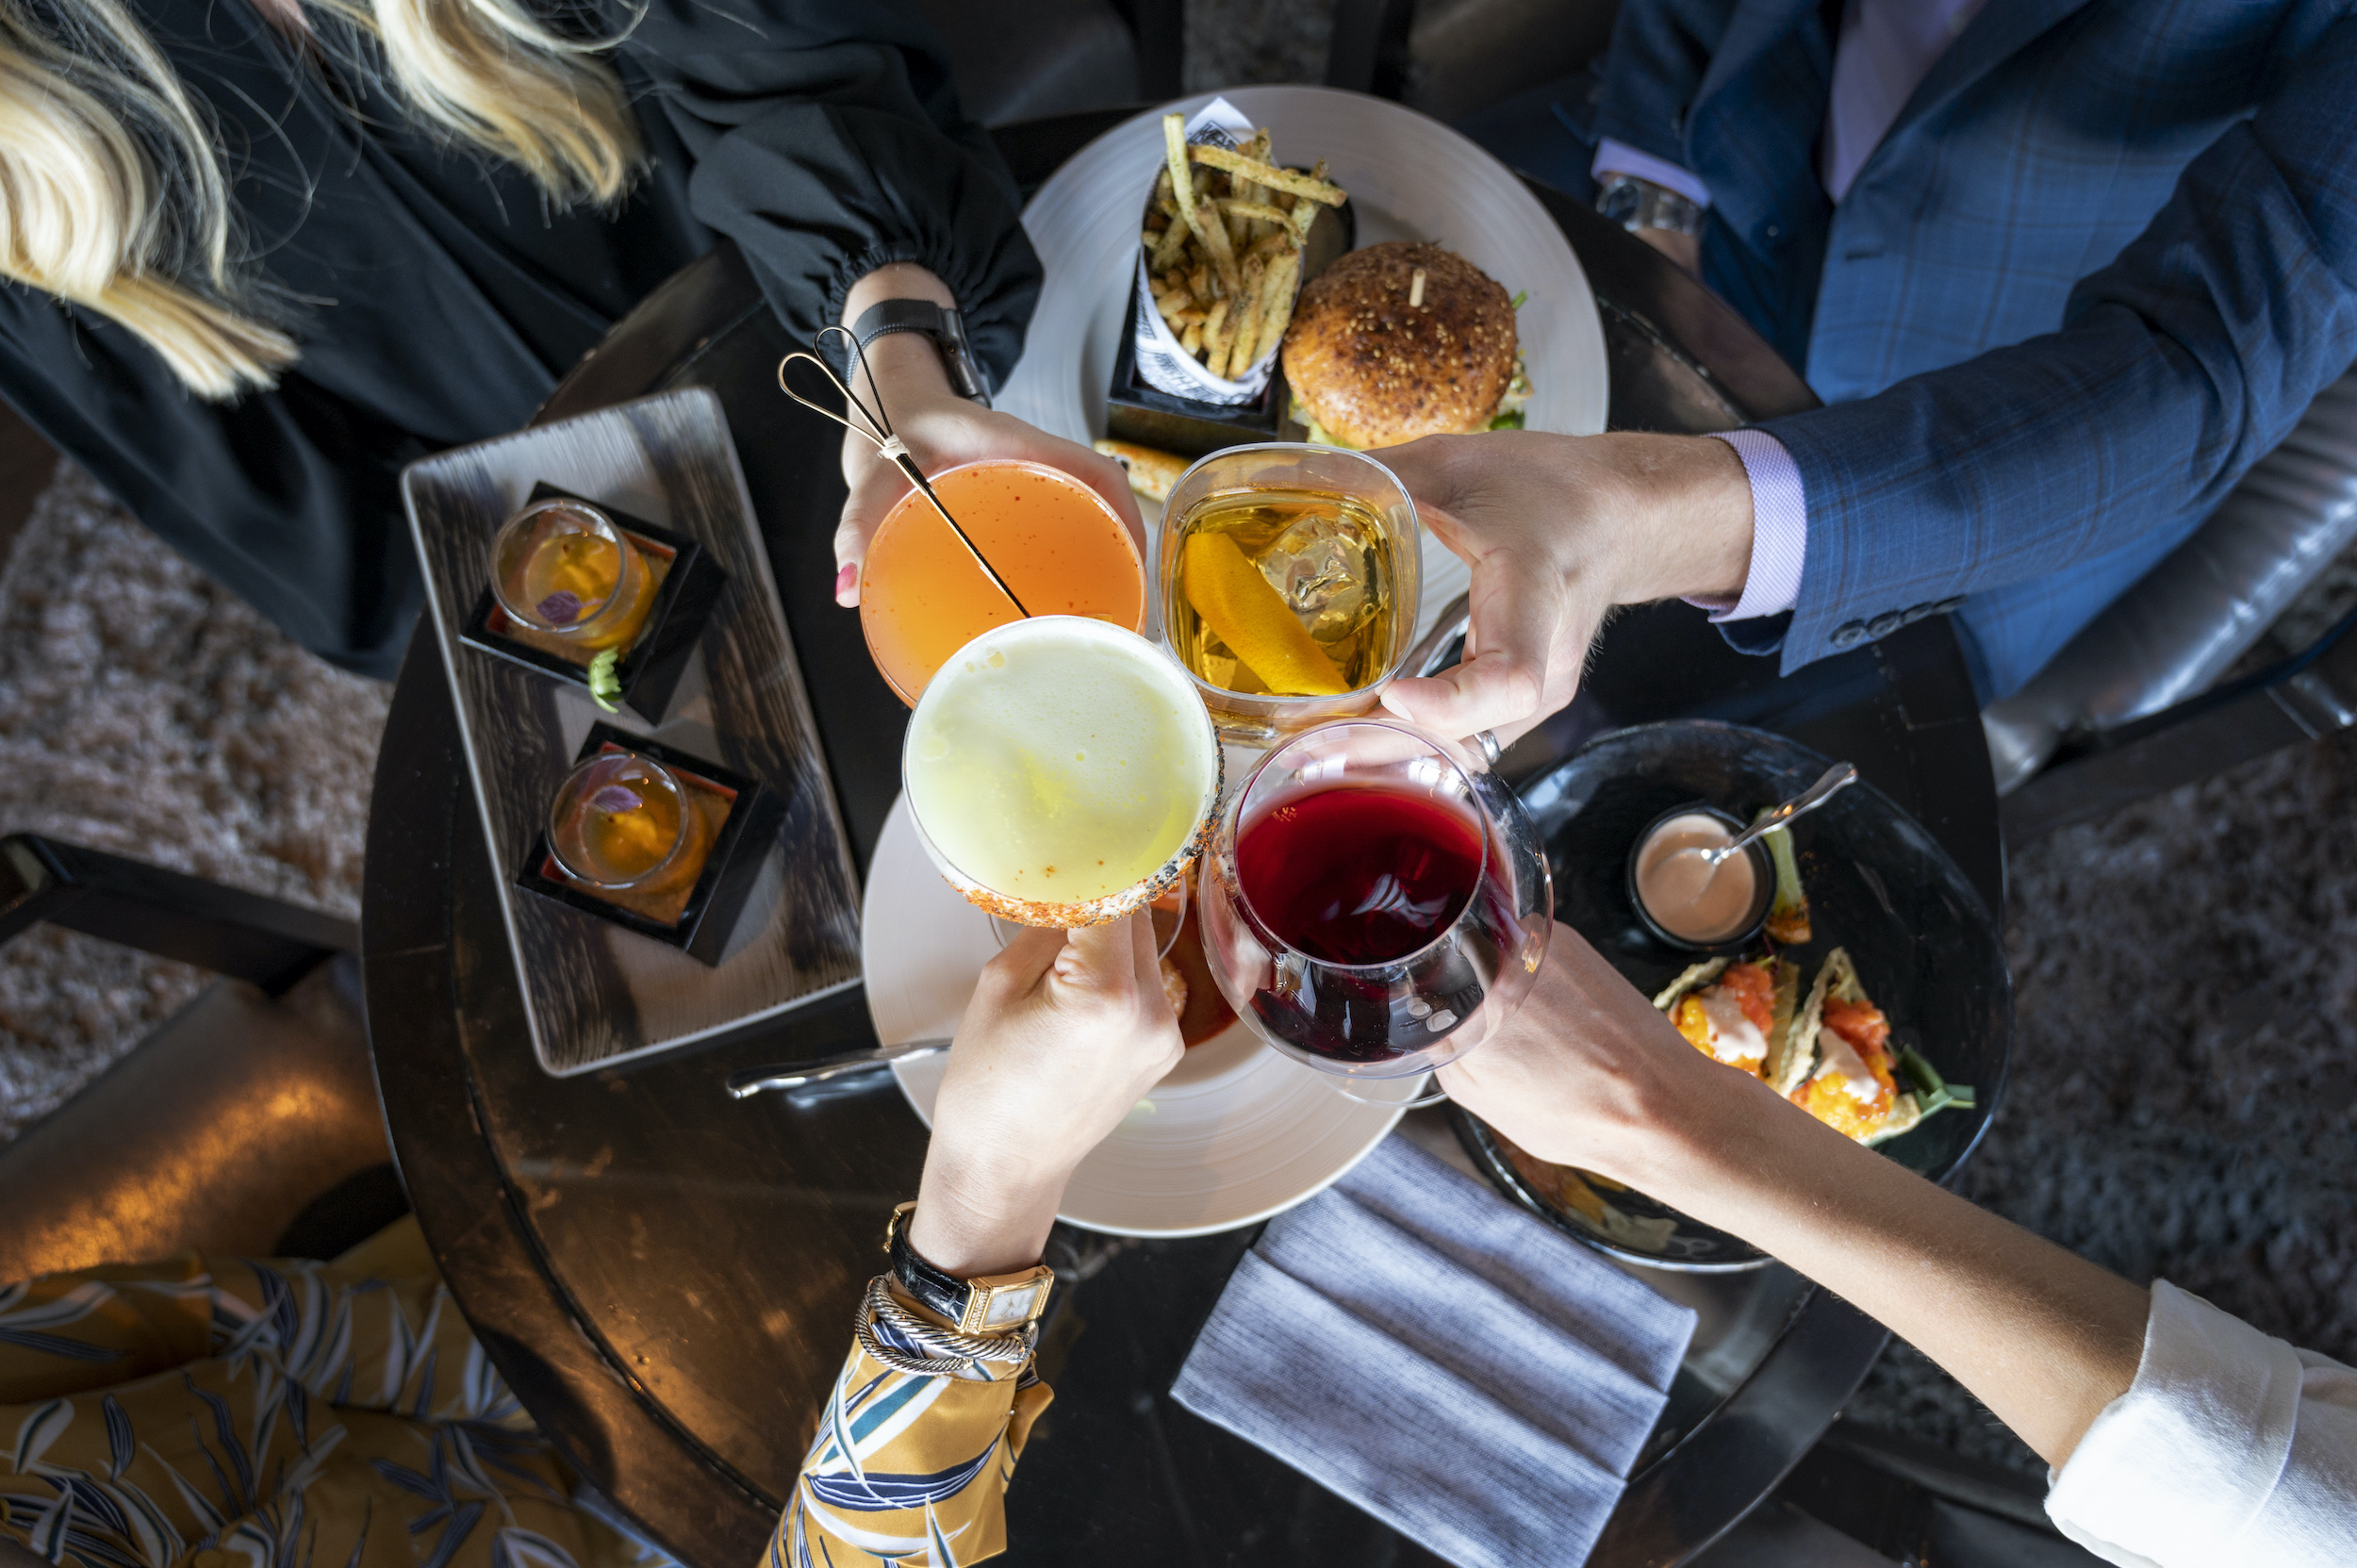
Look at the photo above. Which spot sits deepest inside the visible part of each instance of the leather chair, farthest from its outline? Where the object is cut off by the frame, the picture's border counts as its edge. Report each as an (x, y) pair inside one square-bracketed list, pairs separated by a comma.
[(248, 1123), (2130, 701), (1449, 58)]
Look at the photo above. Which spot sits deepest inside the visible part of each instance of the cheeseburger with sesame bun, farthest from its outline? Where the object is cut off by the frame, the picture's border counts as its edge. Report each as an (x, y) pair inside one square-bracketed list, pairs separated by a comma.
[(1401, 340)]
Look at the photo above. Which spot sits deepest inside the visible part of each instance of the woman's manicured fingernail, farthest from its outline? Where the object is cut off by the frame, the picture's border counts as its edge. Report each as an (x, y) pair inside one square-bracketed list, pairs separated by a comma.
[(846, 585)]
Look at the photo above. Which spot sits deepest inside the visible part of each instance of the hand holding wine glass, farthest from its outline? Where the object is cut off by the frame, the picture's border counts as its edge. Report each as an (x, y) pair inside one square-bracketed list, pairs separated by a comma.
[(1374, 903)]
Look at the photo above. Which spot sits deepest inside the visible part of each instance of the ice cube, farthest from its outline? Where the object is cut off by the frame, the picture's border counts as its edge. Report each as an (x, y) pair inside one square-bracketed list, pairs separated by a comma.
[(1317, 565)]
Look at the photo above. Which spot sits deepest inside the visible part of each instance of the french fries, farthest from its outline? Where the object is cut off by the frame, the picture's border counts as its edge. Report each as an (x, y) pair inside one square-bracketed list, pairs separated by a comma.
[(1224, 236), (1262, 173)]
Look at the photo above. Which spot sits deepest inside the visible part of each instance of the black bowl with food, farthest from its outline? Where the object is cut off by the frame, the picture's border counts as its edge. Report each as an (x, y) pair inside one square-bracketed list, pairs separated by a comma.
[(1889, 917), (1723, 915)]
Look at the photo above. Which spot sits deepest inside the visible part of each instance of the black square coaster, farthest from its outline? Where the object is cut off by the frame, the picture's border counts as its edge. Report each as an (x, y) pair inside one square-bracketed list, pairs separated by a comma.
[(651, 668), (741, 843)]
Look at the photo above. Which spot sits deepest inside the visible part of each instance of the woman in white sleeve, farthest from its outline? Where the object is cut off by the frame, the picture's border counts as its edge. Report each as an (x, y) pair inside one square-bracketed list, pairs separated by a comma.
[(2180, 1436)]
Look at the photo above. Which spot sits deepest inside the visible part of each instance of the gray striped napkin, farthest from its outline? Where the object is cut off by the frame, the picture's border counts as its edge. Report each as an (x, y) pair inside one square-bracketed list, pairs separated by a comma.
[(1452, 1364)]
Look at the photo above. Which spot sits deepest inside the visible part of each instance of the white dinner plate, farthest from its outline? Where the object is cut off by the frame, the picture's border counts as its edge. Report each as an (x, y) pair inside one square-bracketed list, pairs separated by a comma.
[(1235, 1134), (1410, 177)]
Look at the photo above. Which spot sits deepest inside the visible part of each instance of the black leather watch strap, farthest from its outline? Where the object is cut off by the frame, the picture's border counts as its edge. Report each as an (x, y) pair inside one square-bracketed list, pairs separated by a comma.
[(946, 327), (990, 1304), (929, 1287)]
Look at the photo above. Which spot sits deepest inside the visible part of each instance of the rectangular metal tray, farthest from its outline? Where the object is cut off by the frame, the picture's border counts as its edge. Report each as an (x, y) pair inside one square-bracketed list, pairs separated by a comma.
[(595, 994)]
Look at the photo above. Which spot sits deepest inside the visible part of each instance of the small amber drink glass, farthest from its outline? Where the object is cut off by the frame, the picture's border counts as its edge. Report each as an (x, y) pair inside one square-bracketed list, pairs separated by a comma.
[(1289, 577), (625, 823), (563, 568)]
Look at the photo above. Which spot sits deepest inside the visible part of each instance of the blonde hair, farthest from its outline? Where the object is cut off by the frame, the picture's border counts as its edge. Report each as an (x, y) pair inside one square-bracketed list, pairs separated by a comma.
[(112, 192)]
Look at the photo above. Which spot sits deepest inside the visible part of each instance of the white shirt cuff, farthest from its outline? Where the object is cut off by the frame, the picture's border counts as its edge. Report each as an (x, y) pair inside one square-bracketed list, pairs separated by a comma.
[(2230, 1447), (1619, 157), (1779, 529)]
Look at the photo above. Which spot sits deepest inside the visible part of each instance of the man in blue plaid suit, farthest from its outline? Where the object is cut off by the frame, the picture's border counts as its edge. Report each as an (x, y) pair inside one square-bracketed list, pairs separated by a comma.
[(2061, 270)]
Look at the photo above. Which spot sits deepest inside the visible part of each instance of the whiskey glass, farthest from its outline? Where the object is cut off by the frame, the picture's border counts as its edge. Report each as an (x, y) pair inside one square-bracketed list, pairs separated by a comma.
[(1333, 536)]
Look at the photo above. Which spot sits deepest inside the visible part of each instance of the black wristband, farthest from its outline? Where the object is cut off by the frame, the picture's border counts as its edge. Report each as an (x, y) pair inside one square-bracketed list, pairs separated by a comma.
[(945, 326), (943, 1295)]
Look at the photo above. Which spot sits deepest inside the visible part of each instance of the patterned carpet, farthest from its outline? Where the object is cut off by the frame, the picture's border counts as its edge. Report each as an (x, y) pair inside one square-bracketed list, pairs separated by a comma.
[(145, 711), (2184, 1063)]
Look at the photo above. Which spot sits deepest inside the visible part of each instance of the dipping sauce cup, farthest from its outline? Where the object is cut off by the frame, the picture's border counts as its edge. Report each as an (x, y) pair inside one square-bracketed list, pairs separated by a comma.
[(1688, 904)]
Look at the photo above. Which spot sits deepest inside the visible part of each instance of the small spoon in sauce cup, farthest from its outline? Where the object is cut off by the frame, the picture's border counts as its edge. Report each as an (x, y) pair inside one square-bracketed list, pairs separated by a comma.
[(1829, 783)]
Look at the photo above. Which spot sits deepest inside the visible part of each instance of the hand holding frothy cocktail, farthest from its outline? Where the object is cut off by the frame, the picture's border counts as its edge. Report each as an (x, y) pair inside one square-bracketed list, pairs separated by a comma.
[(1065, 1034)]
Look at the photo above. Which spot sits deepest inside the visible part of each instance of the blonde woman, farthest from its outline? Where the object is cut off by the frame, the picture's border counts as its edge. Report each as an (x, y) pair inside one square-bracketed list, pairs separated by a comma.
[(261, 253)]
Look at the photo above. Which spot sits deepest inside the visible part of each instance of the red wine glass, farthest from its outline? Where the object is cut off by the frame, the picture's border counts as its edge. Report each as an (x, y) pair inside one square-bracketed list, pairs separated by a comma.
[(1375, 903)]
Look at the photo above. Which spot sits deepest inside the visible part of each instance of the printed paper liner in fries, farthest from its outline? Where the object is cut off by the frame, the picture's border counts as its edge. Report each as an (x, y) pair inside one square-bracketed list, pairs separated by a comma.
[(1216, 282)]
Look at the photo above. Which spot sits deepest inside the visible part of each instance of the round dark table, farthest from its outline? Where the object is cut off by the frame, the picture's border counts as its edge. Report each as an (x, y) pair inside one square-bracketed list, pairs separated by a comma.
[(666, 1277)]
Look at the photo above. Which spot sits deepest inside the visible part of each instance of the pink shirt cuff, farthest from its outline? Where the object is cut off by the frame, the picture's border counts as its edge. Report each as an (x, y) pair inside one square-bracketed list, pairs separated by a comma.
[(1619, 157), (1779, 529)]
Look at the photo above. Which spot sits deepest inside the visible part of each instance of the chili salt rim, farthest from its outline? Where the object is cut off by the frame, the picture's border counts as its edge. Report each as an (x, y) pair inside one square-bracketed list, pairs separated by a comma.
[(1114, 906)]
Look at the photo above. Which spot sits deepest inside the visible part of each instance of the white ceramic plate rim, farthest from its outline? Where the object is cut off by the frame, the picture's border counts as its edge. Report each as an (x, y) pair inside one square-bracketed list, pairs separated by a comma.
[(922, 946)]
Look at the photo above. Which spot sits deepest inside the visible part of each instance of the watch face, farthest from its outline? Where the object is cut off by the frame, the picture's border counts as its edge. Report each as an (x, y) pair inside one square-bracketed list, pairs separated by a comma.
[(1010, 1305)]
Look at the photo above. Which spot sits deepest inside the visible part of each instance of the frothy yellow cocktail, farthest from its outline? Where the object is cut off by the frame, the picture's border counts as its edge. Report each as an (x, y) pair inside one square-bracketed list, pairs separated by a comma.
[(1061, 771)]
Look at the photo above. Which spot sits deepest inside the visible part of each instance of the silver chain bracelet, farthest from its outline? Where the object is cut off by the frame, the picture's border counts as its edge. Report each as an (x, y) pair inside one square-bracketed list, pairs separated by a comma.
[(949, 1353)]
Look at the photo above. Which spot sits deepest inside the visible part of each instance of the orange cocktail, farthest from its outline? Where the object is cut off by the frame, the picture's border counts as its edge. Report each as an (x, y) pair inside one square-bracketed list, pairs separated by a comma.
[(1059, 545)]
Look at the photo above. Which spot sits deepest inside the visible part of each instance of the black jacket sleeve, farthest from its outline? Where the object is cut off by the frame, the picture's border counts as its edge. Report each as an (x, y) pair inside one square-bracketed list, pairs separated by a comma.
[(824, 138), (291, 499), (826, 141)]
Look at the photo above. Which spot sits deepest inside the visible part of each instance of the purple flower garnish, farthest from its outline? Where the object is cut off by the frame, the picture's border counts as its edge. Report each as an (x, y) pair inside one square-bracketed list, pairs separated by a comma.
[(561, 608), (614, 799)]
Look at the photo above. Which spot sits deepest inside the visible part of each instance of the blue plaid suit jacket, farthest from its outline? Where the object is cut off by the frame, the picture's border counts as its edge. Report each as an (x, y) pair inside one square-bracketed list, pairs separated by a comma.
[(2101, 264)]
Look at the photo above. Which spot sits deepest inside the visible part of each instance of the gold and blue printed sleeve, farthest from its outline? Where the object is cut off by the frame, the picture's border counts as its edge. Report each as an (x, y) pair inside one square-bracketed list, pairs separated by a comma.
[(909, 1468)]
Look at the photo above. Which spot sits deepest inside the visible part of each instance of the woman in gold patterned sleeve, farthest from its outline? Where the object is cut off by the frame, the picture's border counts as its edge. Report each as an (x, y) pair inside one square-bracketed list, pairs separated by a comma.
[(219, 1413), (923, 1426), (205, 1413)]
